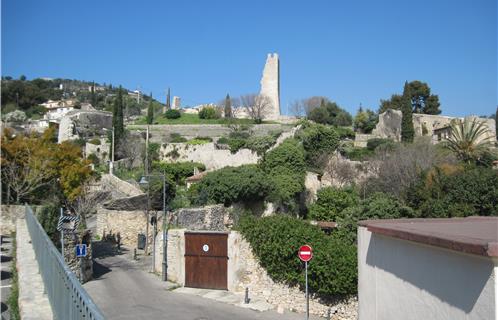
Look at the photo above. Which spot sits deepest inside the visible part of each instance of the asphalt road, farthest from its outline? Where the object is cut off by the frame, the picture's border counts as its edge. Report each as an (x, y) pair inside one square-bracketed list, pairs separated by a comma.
[(124, 291)]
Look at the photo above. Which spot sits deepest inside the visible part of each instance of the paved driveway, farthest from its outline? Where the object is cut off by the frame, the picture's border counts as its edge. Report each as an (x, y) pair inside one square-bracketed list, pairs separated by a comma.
[(124, 290)]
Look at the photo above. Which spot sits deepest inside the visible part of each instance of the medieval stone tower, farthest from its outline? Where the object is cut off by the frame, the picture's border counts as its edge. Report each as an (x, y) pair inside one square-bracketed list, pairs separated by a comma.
[(270, 85)]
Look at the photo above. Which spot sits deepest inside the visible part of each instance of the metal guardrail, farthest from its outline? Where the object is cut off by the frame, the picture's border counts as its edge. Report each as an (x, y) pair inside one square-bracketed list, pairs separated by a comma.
[(67, 297)]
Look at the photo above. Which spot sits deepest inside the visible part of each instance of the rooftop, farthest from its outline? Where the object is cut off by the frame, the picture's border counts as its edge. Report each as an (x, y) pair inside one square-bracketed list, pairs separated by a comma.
[(474, 235)]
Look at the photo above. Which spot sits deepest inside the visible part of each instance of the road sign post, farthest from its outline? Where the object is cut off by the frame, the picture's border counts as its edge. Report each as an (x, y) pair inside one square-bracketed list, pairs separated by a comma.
[(305, 253)]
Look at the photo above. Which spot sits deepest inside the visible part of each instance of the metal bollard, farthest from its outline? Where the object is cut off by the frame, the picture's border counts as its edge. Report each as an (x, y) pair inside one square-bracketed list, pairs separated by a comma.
[(328, 314), (134, 253), (246, 298)]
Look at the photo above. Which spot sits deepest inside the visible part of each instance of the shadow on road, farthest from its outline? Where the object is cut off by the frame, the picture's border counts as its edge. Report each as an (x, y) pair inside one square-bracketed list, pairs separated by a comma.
[(104, 249), (99, 270), (6, 275), (4, 307), (5, 259)]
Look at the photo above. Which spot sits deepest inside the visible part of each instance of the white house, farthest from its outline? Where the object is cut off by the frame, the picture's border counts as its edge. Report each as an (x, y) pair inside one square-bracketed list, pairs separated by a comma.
[(57, 109), (428, 269)]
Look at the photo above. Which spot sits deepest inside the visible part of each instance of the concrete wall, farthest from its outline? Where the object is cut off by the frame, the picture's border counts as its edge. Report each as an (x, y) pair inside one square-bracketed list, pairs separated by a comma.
[(207, 154), (400, 279)]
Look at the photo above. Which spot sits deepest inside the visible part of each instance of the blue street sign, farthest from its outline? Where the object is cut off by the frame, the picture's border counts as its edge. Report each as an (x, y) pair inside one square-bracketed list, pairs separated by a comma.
[(81, 250)]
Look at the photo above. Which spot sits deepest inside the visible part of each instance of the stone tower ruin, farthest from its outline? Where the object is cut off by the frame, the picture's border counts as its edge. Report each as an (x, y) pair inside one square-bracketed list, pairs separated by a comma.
[(270, 85)]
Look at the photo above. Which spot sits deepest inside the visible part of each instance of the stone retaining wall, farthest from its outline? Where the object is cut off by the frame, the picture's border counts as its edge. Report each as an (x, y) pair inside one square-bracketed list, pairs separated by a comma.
[(244, 271)]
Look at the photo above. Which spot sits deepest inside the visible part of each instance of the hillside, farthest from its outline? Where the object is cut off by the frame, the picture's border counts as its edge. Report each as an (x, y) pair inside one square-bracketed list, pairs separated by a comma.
[(26, 95)]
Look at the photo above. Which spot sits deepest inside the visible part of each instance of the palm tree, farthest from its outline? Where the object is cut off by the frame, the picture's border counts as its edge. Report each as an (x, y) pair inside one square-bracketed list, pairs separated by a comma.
[(468, 139)]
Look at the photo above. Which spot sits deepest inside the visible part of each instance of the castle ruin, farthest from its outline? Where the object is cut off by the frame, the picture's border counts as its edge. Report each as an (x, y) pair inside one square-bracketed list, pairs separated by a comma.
[(270, 86)]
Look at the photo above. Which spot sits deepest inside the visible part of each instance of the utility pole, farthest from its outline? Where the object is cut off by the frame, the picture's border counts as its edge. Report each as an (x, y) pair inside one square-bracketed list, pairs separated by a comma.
[(164, 272), (148, 186), (111, 164)]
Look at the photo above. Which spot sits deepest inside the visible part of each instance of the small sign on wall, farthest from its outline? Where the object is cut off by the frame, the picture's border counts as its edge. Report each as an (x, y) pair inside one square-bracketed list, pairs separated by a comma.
[(205, 248)]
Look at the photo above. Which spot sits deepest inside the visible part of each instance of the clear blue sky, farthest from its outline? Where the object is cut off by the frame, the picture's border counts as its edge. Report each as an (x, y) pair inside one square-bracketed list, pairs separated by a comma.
[(351, 51)]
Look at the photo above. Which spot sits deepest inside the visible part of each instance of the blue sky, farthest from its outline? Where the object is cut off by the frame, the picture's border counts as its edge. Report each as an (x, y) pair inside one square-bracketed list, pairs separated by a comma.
[(351, 51)]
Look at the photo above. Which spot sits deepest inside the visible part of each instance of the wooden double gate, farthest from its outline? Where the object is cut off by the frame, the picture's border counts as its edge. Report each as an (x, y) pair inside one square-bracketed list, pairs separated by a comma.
[(206, 256)]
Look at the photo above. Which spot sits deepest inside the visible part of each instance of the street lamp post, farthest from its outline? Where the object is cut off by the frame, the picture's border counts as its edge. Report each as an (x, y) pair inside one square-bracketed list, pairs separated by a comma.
[(111, 164)]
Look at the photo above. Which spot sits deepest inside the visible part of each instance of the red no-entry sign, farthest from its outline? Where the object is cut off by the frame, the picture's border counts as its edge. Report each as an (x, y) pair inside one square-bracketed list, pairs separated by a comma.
[(305, 253)]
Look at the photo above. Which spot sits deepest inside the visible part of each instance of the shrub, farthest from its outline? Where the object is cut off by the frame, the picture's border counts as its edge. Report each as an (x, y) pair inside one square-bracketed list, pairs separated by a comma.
[(317, 141), (357, 154), (376, 206), (93, 158), (199, 140), (177, 138), (285, 188), (223, 140), (260, 144), (372, 144), (331, 202), (235, 144), (289, 155), (275, 241), (209, 113), (95, 141), (232, 184), (172, 114), (179, 171), (345, 133), (16, 116), (446, 192)]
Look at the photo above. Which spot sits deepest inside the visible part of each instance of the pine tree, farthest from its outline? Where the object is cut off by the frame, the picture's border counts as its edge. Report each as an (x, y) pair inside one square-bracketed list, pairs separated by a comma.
[(407, 130), (150, 111), (117, 117), (228, 107), (168, 101)]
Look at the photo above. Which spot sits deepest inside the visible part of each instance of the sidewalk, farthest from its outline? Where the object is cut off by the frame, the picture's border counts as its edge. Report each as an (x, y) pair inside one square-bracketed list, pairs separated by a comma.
[(33, 302)]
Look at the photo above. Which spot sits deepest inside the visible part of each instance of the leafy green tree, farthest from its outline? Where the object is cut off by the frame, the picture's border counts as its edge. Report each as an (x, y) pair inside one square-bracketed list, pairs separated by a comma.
[(395, 102), (407, 130), (330, 113), (150, 111), (228, 107), (422, 101), (468, 140), (365, 121), (178, 171), (331, 202)]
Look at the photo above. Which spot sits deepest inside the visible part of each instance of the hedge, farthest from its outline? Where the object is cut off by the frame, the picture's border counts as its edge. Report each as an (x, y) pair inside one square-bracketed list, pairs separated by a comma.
[(179, 171), (330, 203), (275, 241)]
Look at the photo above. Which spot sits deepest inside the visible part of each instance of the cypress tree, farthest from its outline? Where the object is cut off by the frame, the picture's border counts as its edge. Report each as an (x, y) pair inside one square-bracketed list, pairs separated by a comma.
[(496, 122), (150, 111), (407, 130), (228, 107), (168, 101), (117, 117)]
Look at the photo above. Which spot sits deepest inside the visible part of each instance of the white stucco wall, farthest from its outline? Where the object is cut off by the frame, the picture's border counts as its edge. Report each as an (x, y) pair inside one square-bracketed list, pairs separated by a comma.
[(401, 279)]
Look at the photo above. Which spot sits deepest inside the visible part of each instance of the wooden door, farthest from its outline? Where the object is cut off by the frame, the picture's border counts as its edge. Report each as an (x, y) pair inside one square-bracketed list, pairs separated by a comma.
[(206, 256)]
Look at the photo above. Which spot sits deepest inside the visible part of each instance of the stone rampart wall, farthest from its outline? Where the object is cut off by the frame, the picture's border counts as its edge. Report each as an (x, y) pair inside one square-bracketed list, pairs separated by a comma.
[(207, 154), (161, 133)]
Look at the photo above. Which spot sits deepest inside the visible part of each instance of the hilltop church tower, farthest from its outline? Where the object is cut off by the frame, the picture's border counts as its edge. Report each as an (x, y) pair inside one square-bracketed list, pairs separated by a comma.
[(270, 85)]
